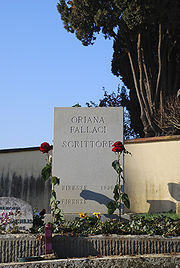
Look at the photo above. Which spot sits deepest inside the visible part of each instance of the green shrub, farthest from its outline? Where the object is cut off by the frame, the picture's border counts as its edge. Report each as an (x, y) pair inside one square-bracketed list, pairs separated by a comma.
[(138, 225)]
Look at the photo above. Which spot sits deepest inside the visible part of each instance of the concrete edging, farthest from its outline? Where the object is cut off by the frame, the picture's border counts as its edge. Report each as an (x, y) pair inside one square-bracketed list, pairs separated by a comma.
[(144, 261), (114, 245), (17, 246), (14, 246)]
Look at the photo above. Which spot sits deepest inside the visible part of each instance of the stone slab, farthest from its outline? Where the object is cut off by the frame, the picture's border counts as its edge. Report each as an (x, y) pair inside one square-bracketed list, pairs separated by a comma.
[(14, 246), (82, 157), (109, 245), (141, 261), (21, 212)]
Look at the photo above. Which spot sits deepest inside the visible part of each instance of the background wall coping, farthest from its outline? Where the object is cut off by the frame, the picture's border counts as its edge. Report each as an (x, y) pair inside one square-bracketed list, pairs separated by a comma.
[(153, 139), (14, 150), (143, 261)]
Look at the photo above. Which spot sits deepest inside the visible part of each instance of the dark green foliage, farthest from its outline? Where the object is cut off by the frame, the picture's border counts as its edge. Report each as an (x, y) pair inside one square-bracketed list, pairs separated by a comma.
[(57, 214), (55, 181), (38, 222), (116, 166), (155, 225), (146, 54), (111, 206), (46, 172), (133, 127), (55, 210), (89, 225), (116, 192), (138, 225), (125, 200)]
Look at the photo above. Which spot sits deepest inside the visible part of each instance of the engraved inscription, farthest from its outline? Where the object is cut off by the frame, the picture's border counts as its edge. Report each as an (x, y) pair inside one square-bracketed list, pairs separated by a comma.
[(73, 187), (88, 119), (87, 125), (87, 144), (72, 202), (106, 187), (101, 129), (88, 129), (10, 208)]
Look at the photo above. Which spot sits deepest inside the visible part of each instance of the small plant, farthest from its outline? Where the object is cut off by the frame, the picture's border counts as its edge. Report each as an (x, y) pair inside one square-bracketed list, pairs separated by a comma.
[(138, 225), (84, 225), (38, 222), (47, 175), (157, 224), (119, 195)]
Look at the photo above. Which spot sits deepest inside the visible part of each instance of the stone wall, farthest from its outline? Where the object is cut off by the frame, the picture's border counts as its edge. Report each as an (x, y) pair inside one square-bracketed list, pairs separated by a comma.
[(20, 176), (14, 246), (17, 246)]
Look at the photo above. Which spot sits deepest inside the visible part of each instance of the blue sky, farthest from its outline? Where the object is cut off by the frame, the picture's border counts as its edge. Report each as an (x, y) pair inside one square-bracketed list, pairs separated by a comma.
[(42, 67)]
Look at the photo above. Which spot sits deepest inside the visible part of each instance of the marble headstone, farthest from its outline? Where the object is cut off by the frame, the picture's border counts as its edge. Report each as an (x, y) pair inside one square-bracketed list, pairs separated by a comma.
[(82, 157)]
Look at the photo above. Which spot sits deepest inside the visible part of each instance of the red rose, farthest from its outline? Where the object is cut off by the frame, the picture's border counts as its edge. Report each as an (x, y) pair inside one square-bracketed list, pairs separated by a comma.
[(118, 147), (45, 147), (117, 143)]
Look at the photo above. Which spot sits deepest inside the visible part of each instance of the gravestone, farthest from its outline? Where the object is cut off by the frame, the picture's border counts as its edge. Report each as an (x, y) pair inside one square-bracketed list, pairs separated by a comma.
[(17, 210), (82, 157)]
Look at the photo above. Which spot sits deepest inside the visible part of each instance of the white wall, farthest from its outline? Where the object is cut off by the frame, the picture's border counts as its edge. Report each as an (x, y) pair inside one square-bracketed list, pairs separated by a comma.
[(152, 173)]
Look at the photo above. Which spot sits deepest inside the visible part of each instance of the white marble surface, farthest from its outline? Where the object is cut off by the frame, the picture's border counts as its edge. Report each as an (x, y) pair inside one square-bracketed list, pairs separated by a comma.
[(82, 156)]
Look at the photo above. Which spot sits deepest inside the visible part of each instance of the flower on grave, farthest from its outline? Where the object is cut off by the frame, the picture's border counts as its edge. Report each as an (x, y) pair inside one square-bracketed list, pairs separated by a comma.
[(3, 214), (10, 213), (6, 220), (97, 214), (45, 147), (47, 175), (118, 147), (82, 215), (118, 194)]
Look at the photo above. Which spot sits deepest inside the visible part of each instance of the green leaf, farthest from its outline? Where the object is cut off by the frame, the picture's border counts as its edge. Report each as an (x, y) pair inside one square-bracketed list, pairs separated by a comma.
[(125, 200), (111, 206), (116, 166), (126, 152), (46, 172), (55, 181), (116, 192), (57, 210), (53, 194), (52, 200)]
